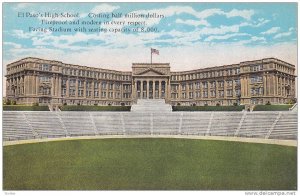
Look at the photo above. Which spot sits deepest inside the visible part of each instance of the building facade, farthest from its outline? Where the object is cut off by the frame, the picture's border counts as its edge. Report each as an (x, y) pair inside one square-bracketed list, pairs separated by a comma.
[(32, 80)]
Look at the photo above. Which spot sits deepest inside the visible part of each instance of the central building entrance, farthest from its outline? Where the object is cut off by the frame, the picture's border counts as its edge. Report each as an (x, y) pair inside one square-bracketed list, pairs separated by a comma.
[(151, 89), (150, 81)]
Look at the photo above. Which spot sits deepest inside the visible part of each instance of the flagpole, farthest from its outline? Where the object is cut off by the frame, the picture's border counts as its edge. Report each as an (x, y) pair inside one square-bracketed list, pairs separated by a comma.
[(151, 54)]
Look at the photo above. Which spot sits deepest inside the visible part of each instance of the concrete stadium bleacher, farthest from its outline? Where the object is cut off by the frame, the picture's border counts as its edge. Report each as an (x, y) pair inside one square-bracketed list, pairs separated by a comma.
[(20, 125), (286, 127)]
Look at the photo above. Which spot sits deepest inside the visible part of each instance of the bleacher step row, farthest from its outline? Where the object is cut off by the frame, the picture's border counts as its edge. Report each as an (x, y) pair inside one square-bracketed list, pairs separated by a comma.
[(28, 125)]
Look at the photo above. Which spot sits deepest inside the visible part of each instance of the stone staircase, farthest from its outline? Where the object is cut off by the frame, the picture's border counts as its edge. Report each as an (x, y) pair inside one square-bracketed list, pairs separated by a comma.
[(151, 106)]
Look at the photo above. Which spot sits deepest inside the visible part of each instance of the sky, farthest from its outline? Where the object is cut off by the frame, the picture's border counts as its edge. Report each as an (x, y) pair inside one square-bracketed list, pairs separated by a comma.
[(189, 35)]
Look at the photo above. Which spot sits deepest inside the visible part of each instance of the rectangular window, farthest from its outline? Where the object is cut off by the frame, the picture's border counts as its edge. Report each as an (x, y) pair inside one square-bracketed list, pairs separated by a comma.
[(104, 86), (212, 84), (183, 87), (117, 86), (96, 85), (45, 79), (221, 84), (72, 92), (80, 93), (197, 84), (191, 95), (174, 87), (45, 67), (111, 86), (213, 93), (229, 93), (191, 86), (63, 91), (256, 79), (221, 93), (229, 83)]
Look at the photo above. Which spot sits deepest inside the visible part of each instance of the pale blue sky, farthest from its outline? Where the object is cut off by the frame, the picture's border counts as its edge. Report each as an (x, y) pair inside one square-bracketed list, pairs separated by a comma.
[(191, 35)]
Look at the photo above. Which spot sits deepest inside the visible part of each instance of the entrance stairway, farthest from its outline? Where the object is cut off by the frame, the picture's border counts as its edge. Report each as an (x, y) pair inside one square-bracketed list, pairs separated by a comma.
[(151, 106)]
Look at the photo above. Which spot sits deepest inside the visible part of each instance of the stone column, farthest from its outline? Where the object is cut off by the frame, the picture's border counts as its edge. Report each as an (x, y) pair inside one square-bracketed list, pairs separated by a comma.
[(67, 87), (225, 88), (265, 85), (153, 89), (147, 91), (113, 90), (52, 86), (281, 82), (284, 87), (76, 88), (37, 82), (93, 89), (17, 86), (168, 85), (269, 78), (247, 87), (84, 88), (57, 85), (142, 89), (217, 89), (159, 89), (275, 85), (135, 89)]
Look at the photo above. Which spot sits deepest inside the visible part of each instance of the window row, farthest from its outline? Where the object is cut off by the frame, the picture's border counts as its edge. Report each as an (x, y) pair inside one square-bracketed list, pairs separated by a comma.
[(205, 94), (89, 84), (45, 67), (104, 94), (256, 79), (256, 67), (227, 72), (94, 74), (198, 85)]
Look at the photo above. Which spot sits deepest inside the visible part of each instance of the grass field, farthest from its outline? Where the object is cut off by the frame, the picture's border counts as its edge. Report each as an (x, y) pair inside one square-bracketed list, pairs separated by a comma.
[(147, 164)]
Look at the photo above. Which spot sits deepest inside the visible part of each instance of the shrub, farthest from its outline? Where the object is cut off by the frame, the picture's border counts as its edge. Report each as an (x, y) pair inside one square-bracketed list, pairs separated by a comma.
[(65, 103), (292, 101), (25, 108), (13, 102), (272, 107), (218, 104), (95, 108), (178, 104), (35, 104), (208, 108), (8, 102), (268, 103)]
